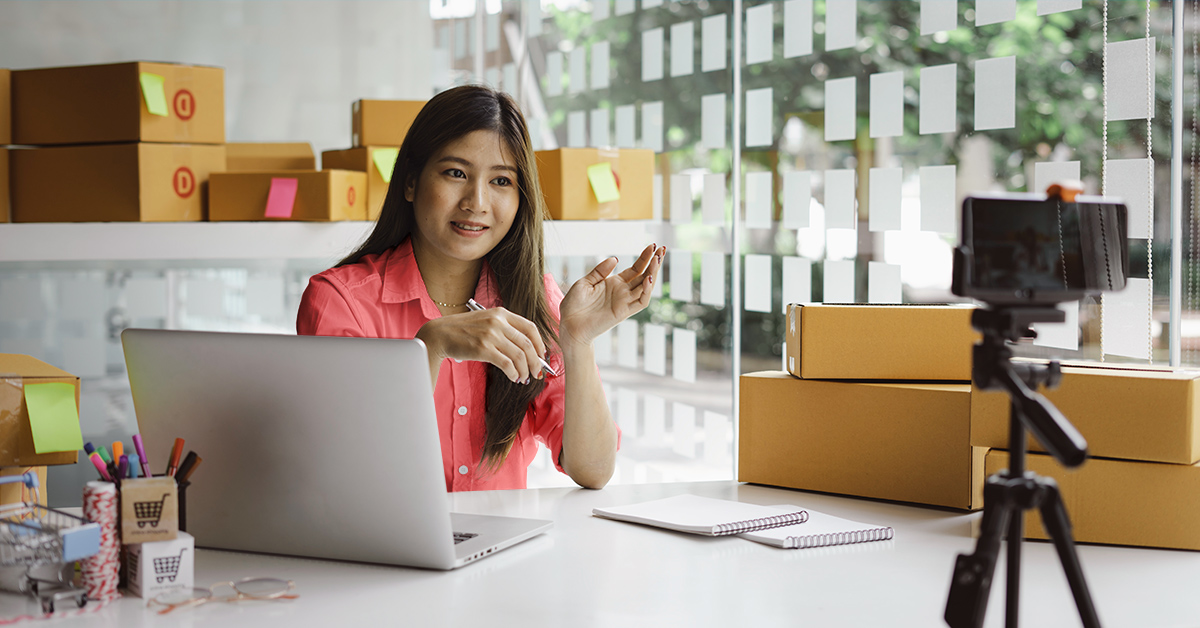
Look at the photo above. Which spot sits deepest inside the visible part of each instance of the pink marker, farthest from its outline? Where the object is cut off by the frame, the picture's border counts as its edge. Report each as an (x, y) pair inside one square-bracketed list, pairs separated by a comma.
[(100, 466), (141, 451)]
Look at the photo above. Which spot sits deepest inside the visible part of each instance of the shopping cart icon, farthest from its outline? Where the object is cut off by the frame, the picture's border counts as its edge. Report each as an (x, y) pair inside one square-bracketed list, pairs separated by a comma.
[(149, 512), (167, 567)]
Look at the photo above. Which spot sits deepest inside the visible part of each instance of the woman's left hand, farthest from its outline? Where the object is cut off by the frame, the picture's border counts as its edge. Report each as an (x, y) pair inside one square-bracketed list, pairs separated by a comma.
[(600, 300)]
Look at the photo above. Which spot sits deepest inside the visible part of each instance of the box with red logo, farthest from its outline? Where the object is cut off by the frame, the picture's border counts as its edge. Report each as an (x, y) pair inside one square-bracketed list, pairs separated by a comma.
[(138, 182), (325, 195), (377, 161), (122, 102)]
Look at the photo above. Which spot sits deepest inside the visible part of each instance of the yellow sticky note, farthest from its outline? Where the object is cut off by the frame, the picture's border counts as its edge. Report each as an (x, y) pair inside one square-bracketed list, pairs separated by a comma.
[(154, 93), (385, 161), (53, 417), (604, 182)]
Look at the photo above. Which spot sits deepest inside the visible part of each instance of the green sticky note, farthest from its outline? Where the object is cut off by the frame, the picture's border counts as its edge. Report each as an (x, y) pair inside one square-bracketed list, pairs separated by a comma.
[(604, 183), (156, 96), (53, 417), (385, 161)]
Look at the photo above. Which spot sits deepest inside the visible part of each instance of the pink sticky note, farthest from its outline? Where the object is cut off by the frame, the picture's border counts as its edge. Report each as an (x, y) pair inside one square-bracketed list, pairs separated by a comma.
[(281, 197)]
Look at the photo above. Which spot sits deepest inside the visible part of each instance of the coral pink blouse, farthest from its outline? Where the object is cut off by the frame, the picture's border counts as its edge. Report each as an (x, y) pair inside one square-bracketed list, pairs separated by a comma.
[(384, 296)]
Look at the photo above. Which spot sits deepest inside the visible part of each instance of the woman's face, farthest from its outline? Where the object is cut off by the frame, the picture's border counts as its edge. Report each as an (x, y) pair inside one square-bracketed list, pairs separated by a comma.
[(466, 198)]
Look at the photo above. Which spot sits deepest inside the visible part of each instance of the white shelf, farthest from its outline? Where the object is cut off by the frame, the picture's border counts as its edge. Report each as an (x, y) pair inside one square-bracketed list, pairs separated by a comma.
[(216, 241)]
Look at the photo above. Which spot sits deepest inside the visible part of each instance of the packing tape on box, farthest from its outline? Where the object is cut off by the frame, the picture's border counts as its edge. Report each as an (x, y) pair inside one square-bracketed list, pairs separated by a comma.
[(100, 572)]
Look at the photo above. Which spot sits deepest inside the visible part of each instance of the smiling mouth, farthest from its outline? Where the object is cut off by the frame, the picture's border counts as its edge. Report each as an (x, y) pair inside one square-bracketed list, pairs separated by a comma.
[(468, 227)]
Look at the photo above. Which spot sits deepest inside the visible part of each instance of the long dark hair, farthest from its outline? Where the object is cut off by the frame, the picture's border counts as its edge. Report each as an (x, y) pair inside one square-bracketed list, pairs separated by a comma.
[(517, 261)]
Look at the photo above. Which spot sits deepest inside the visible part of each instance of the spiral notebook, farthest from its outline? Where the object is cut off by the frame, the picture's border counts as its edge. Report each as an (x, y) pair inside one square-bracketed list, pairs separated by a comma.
[(703, 515), (820, 530)]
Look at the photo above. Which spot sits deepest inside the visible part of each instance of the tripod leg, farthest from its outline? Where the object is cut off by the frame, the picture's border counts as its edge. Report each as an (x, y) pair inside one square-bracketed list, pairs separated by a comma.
[(1016, 532), (1058, 526), (972, 580)]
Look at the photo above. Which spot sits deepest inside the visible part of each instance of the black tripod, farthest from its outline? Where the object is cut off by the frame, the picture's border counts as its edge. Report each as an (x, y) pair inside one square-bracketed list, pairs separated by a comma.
[(1008, 494)]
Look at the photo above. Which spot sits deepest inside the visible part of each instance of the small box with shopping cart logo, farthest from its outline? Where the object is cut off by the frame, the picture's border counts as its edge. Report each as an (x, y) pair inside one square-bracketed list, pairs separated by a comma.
[(161, 567), (149, 510)]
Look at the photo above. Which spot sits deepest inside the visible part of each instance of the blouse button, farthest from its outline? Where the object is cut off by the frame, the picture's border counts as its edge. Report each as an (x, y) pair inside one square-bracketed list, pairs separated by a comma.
[(462, 410), (463, 470)]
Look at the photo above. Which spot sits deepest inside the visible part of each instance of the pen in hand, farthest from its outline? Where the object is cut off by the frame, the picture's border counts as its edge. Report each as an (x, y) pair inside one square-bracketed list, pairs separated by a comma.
[(474, 306)]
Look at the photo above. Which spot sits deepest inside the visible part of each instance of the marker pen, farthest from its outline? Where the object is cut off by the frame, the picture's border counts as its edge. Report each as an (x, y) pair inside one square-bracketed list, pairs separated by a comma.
[(100, 466), (141, 452)]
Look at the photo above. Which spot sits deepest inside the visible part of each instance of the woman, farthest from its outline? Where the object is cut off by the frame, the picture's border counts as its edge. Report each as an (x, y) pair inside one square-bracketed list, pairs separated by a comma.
[(463, 220)]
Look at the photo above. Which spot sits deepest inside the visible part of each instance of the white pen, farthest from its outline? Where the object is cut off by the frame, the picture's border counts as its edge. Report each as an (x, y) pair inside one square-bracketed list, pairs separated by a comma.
[(474, 306)]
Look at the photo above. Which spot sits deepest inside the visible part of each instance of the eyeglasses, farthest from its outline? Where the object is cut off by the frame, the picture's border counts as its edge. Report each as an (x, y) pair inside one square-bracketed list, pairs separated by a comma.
[(265, 589)]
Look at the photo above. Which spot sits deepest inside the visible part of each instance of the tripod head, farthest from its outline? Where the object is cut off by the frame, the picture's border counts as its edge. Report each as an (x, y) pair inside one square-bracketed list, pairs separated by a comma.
[(992, 369)]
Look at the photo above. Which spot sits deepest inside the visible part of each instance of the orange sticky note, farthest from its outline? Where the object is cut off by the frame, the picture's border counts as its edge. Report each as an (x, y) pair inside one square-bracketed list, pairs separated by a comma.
[(282, 197)]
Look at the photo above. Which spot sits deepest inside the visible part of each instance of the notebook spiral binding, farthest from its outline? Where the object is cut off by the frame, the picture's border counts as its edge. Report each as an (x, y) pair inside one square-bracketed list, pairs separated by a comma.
[(763, 523), (839, 538)]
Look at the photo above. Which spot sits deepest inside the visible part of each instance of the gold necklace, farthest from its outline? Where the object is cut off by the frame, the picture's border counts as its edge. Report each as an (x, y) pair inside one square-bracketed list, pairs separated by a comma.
[(449, 304)]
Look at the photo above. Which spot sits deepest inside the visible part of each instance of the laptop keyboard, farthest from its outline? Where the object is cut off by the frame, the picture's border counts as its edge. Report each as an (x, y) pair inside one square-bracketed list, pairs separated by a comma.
[(459, 537)]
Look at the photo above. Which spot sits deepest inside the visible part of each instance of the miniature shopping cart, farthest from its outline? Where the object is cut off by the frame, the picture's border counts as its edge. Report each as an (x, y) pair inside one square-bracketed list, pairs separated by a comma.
[(33, 535), (149, 512), (167, 567)]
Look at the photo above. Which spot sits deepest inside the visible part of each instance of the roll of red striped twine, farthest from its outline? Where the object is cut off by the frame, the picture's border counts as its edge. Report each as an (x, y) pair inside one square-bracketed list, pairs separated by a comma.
[(100, 572)]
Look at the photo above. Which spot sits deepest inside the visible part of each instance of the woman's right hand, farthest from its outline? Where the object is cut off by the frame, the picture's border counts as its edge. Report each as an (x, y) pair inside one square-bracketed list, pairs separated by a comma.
[(496, 336)]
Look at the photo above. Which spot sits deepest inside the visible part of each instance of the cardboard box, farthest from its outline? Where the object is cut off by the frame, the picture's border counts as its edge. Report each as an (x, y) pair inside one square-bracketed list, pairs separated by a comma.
[(251, 156), (382, 122), (18, 493), (5, 190), (325, 195), (1124, 411), (5, 107), (113, 182), (563, 174), (97, 104), (892, 342), (1120, 502), (149, 510), (899, 441), (16, 436), (362, 160), (152, 569)]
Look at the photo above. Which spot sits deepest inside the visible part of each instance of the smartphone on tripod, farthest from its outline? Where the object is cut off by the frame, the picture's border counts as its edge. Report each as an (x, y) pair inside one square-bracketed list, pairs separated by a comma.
[(1022, 254)]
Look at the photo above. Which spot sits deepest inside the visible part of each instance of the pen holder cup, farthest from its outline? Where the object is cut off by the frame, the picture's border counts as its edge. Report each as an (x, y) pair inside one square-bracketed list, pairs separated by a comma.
[(149, 510), (183, 505)]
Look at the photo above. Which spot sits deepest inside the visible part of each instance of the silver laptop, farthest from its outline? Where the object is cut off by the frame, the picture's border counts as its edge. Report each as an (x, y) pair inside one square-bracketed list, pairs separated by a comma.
[(324, 447)]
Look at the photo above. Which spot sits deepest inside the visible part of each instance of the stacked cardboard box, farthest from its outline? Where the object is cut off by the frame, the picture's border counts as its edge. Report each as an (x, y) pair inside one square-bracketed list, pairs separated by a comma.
[(280, 181), (877, 404), (121, 142), (253, 156), (32, 434), (378, 129), (1142, 425)]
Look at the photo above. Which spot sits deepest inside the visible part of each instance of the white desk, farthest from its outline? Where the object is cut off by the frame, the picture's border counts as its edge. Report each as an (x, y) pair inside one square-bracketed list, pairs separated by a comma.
[(593, 572)]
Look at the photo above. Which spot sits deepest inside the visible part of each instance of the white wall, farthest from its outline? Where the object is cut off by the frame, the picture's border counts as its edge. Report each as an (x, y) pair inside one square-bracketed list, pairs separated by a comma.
[(292, 68)]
